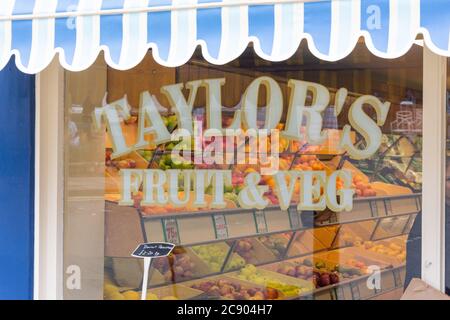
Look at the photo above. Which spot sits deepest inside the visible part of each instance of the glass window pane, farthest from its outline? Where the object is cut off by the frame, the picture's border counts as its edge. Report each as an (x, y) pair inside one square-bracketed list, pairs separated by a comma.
[(118, 178)]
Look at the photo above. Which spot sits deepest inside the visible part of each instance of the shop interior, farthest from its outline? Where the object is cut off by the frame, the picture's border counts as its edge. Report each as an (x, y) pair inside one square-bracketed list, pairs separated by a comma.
[(236, 253)]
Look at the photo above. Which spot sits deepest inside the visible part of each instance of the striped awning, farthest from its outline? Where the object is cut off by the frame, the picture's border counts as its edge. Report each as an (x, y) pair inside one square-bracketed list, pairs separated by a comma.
[(35, 30)]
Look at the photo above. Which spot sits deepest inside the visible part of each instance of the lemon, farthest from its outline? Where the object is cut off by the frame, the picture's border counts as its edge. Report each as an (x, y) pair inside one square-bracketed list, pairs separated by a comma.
[(131, 295), (109, 290), (152, 296), (117, 296)]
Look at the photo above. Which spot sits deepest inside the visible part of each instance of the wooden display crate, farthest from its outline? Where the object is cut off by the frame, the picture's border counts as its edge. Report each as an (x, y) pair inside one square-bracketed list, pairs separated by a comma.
[(180, 292), (391, 260), (352, 233), (342, 256), (306, 286), (201, 269), (314, 259), (270, 241), (259, 253), (244, 284)]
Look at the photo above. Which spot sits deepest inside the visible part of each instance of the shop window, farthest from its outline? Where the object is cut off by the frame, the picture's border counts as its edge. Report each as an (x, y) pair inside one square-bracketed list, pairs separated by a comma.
[(228, 248)]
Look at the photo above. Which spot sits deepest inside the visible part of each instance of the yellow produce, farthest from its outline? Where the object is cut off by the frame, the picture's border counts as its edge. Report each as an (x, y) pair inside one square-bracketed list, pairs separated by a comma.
[(392, 249), (109, 290), (214, 255), (152, 296), (252, 274), (169, 298), (131, 295), (117, 296)]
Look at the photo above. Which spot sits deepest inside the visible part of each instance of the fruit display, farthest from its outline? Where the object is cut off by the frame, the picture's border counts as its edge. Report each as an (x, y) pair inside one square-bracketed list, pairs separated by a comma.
[(330, 145), (347, 238), (357, 264), (360, 182), (277, 244), (234, 290), (121, 164), (391, 249), (320, 273), (268, 280), (244, 248), (303, 163), (170, 122), (176, 267), (214, 256), (112, 292), (231, 196), (176, 292), (396, 162), (253, 251), (397, 145), (308, 162), (261, 266), (166, 162), (158, 210), (362, 189), (400, 172), (146, 154), (153, 296)]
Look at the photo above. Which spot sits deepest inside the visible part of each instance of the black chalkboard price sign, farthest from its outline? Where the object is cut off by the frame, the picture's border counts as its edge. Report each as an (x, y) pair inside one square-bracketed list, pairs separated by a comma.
[(149, 251), (153, 250)]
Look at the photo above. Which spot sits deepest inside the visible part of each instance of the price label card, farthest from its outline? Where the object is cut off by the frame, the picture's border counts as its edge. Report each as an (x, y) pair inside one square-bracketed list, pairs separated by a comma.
[(171, 231), (153, 250), (260, 221), (220, 225)]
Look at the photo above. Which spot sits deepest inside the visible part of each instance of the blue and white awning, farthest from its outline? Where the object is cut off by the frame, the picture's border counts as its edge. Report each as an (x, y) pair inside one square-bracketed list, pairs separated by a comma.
[(35, 30)]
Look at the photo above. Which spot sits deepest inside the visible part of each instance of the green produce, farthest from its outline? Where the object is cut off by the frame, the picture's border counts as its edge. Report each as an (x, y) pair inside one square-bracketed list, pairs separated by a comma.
[(214, 255), (170, 122), (166, 163), (146, 154), (275, 243), (231, 196)]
